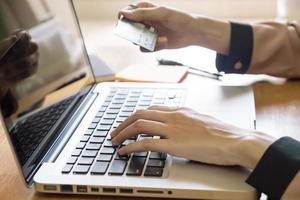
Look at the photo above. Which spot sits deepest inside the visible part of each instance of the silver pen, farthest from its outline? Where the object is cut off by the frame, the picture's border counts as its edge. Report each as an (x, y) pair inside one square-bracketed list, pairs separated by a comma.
[(192, 70)]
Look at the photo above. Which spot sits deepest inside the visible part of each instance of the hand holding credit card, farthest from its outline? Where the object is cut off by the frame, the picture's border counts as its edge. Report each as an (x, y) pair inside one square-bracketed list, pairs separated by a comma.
[(137, 33)]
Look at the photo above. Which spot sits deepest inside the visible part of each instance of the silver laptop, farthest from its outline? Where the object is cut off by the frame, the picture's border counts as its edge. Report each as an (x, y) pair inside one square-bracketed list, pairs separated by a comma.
[(63, 145)]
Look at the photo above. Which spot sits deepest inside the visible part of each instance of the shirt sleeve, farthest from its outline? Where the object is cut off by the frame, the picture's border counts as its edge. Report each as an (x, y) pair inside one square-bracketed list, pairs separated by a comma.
[(270, 48), (241, 45), (277, 168)]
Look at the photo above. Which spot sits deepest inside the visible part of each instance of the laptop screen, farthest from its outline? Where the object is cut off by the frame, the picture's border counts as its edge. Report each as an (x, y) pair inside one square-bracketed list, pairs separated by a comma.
[(41, 51)]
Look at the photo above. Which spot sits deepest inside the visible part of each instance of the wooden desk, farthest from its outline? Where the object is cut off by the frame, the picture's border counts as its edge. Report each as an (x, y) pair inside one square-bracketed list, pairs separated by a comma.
[(277, 109)]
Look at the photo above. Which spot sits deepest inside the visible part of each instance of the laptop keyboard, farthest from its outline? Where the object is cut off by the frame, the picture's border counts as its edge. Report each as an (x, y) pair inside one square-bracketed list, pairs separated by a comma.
[(28, 133), (95, 154)]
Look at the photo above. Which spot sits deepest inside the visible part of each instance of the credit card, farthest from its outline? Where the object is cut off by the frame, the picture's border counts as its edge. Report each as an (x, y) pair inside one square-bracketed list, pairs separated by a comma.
[(137, 33)]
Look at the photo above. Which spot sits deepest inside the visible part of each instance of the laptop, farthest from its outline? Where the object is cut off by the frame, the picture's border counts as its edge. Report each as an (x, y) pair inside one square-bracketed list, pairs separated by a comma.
[(63, 145)]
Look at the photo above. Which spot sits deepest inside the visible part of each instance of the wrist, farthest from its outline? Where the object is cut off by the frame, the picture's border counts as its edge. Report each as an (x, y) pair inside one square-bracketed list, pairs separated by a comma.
[(210, 33), (252, 147)]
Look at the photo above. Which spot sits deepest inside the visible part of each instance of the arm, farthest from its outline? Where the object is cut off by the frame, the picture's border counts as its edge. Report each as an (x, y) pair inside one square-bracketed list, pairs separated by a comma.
[(211, 141), (267, 48)]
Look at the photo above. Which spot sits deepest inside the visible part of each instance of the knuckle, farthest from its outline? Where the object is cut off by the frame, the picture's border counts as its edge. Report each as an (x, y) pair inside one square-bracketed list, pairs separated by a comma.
[(146, 144), (139, 124), (137, 115), (178, 115)]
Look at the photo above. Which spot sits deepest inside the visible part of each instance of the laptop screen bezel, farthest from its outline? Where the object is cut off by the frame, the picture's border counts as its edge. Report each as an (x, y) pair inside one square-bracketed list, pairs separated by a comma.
[(28, 180)]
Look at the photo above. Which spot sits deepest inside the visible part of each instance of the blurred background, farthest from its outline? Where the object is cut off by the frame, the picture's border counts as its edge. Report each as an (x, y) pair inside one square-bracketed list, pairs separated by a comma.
[(99, 17)]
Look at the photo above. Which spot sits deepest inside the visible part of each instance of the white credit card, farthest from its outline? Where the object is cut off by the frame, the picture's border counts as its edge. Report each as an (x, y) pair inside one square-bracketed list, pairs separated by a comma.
[(137, 33)]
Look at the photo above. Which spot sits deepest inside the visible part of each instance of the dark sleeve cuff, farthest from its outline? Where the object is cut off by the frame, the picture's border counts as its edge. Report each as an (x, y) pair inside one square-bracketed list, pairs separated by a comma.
[(277, 168), (240, 53)]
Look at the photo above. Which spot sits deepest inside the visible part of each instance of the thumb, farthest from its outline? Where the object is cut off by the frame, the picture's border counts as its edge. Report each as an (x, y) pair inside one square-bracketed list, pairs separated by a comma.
[(6, 43), (142, 14)]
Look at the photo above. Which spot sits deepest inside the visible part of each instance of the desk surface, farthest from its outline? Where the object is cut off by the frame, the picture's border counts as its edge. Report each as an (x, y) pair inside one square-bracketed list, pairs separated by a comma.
[(277, 110)]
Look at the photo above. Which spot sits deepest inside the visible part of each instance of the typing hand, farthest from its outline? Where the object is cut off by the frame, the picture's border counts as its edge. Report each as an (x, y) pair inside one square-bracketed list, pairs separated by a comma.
[(19, 58), (173, 26), (186, 133)]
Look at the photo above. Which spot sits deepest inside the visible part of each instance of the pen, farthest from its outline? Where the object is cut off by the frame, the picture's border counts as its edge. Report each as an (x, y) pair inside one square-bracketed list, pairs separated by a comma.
[(192, 70)]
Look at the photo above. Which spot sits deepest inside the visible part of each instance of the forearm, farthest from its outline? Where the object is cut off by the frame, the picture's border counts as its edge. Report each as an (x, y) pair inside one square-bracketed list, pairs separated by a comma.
[(210, 33)]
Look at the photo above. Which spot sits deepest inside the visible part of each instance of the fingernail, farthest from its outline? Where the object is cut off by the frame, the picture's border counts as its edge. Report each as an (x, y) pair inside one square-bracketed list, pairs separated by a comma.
[(113, 134), (120, 152), (113, 141)]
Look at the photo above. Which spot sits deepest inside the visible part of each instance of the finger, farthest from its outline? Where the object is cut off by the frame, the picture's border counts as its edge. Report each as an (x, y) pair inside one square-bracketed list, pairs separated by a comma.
[(163, 108), (6, 44), (142, 14), (160, 44), (138, 127), (136, 6), (27, 65), (144, 5), (141, 114), (23, 35), (33, 48), (157, 145)]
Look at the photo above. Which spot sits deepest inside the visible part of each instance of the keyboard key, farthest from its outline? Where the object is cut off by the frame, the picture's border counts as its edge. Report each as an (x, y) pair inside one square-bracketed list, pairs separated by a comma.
[(120, 97), (120, 119), (104, 127), (72, 160), (154, 171), (108, 150), (76, 152), (93, 125), (128, 109), (81, 169), (155, 163), (112, 111), (125, 114), (158, 155), (108, 143), (136, 166), (89, 132), (130, 104), (116, 106), (99, 167), (99, 114), (93, 146), (105, 157), (118, 102), (117, 167), (110, 116), (106, 122), (80, 145), (96, 120), (102, 109), (89, 153), (126, 142), (140, 154), (84, 138), (85, 161), (97, 140), (67, 169), (122, 157), (122, 92), (99, 133), (144, 104)]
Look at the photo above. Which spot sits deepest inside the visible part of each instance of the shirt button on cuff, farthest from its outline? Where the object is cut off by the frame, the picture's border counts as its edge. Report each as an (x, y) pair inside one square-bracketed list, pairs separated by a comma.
[(238, 65)]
